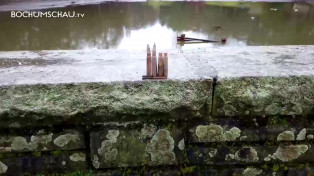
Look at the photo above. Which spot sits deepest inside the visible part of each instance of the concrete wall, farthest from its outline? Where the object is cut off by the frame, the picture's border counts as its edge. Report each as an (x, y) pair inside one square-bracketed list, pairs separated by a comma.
[(242, 126), (223, 111)]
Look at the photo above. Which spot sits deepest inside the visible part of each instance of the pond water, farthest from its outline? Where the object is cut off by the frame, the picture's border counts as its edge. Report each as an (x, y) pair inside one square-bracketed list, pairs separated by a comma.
[(133, 25)]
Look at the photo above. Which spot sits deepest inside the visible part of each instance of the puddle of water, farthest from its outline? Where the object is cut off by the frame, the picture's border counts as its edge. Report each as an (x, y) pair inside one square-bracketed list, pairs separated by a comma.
[(125, 25)]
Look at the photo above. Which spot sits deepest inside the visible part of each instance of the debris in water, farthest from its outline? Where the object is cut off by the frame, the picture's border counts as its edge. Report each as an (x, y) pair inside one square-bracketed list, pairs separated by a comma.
[(182, 38)]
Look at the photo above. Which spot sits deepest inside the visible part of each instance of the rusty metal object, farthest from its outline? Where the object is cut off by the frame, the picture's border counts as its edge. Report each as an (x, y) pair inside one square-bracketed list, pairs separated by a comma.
[(160, 65), (148, 49), (182, 38), (154, 61), (154, 70), (165, 65), (149, 64), (154, 77)]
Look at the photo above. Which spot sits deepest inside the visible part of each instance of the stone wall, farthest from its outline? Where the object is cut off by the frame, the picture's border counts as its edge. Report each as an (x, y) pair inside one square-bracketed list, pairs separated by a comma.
[(235, 126)]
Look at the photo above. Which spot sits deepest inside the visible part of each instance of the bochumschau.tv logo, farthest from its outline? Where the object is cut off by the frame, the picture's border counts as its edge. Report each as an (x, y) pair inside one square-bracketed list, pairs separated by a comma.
[(46, 14)]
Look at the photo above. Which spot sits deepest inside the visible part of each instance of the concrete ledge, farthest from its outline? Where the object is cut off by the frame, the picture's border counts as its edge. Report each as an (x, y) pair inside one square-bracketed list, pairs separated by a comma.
[(90, 103), (264, 96), (40, 88), (63, 87), (85, 66), (258, 80), (252, 61)]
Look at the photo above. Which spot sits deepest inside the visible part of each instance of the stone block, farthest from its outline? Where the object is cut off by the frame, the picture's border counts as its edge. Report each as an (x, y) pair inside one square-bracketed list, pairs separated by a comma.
[(262, 96), (148, 145), (42, 141), (214, 132), (56, 162), (250, 154), (307, 171), (143, 171), (194, 170), (88, 103)]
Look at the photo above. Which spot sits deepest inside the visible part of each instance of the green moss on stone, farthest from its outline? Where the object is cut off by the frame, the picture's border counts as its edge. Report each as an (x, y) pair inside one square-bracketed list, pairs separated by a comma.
[(252, 172), (290, 152), (38, 154), (161, 148), (276, 168), (286, 136), (3, 168), (247, 154), (64, 139), (275, 120), (57, 152), (121, 149), (264, 96), (190, 169), (78, 173), (70, 103), (301, 135), (76, 157), (215, 133)]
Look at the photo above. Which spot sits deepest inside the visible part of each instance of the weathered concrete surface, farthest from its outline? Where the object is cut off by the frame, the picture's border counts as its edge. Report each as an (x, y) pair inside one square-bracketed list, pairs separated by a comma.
[(39, 67), (252, 61), (273, 129), (31, 105), (26, 67), (23, 94), (249, 154), (56, 162), (42, 141), (213, 133), (76, 66), (264, 96), (266, 80), (148, 145)]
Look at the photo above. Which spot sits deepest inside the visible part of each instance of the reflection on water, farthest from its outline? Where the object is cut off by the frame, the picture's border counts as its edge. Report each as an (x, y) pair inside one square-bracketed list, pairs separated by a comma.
[(133, 25)]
